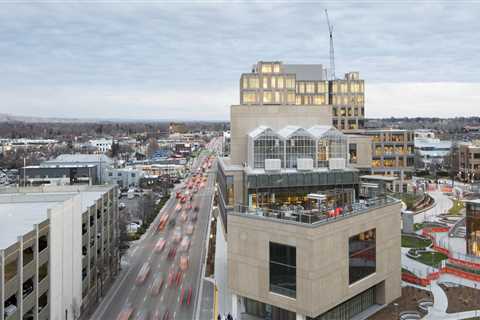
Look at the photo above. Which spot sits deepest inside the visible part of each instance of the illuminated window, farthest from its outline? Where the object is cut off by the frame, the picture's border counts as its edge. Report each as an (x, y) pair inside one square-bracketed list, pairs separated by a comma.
[(298, 100), (249, 97), (310, 87), (343, 87), (290, 83), (334, 87), (301, 87), (265, 83), (278, 97), (267, 97), (253, 83), (244, 82), (318, 100), (349, 112), (355, 112), (291, 98), (322, 87), (280, 83), (276, 68), (272, 83), (266, 68), (343, 112)]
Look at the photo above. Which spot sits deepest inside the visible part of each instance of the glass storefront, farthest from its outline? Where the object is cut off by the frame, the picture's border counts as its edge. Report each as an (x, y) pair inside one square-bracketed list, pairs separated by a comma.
[(266, 311), (350, 308)]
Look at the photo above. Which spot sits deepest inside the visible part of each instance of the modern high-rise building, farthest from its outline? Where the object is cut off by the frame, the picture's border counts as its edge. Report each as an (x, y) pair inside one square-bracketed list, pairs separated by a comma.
[(275, 83), (301, 241), (58, 250)]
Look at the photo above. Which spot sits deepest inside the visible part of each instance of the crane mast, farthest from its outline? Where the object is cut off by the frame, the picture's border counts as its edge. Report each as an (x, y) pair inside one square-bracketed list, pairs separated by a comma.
[(332, 53)]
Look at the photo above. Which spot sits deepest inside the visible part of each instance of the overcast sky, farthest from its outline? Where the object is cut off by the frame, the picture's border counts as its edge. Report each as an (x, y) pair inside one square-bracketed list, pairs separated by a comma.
[(159, 60)]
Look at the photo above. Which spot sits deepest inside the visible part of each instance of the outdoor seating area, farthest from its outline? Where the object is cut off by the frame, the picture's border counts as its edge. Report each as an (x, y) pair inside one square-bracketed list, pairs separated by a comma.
[(320, 214)]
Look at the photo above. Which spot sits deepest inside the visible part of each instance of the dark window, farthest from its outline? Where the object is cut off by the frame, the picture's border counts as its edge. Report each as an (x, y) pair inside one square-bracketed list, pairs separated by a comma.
[(27, 255), (42, 272), (352, 150), (27, 287), (283, 269), (42, 301), (362, 255), (42, 243)]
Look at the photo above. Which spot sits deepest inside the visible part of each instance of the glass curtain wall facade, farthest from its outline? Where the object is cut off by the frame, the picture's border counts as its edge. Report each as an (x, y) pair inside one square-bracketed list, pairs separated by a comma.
[(267, 145), (299, 146), (320, 145), (350, 308), (265, 311)]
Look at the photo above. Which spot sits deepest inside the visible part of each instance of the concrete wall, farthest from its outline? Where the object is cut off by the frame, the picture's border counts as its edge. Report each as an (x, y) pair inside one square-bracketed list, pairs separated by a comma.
[(65, 259), (244, 119), (364, 151), (322, 259)]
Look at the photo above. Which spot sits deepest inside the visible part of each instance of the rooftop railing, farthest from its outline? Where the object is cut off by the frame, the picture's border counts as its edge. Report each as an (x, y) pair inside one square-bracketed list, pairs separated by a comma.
[(315, 216)]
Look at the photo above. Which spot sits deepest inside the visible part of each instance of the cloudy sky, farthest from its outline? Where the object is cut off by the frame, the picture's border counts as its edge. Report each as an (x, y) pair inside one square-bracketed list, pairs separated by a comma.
[(183, 60)]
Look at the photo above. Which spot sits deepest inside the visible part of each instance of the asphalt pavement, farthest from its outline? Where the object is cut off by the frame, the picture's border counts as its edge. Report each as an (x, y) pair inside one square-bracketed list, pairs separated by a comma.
[(126, 293)]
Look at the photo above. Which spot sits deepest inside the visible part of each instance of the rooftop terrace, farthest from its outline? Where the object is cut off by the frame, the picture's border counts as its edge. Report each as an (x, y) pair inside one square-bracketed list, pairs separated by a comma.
[(314, 217)]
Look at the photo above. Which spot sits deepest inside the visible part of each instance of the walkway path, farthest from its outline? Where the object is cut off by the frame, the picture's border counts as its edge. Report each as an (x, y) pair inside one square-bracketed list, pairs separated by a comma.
[(442, 205)]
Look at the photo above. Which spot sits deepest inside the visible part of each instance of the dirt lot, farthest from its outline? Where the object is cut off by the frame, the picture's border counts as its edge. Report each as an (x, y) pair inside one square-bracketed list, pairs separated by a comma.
[(408, 301), (462, 298)]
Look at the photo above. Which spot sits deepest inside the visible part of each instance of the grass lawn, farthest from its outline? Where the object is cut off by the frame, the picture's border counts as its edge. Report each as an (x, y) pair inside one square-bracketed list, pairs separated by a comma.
[(431, 258), (414, 242), (457, 207)]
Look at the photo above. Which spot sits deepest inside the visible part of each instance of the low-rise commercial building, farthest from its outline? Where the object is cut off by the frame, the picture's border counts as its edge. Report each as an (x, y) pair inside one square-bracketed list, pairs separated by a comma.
[(469, 160), (58, 250)]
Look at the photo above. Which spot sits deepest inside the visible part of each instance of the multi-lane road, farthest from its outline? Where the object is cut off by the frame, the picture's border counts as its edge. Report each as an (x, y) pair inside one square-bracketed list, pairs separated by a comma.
[(127, 294)]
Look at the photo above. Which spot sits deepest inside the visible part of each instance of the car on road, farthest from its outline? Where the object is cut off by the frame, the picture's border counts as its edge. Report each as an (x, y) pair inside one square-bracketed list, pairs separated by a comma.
[(178, 277), (166, 315), (143, 274), (126, 312), (178, 207), (156, 315), (194, 216), (183, 263), (186, 296), (170, 277), (177, 235), (184, 216), (157, 285), (160, 245), (171, 223), (142, 315), (185, 244), (163, 222), (189, 229), (171, 253)]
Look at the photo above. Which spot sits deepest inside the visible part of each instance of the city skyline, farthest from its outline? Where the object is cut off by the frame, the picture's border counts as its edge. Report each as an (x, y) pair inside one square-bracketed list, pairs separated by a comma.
[(181, 61)]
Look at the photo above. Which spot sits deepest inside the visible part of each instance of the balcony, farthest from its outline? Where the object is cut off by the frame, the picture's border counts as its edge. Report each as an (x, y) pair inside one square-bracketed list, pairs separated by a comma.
[(317, 216)]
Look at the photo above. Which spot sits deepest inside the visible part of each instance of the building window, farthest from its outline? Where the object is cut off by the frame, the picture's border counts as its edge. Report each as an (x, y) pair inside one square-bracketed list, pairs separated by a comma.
[(291, 98), (290, 83), (276, 67), (280, 83), (42, 243), (249, 97), (42, 272), (265, 83), (362, 255), (253, 83), (266, 68), (318, 99), (310, 87), (267, 97), (352, 151), (283, 269)]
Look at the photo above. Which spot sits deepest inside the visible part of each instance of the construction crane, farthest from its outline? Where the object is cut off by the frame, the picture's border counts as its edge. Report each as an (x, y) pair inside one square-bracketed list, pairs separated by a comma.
[(332, 53)]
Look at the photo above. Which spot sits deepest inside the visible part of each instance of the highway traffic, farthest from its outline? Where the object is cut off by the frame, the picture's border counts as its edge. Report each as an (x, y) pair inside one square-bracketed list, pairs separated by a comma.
[(163, 270)]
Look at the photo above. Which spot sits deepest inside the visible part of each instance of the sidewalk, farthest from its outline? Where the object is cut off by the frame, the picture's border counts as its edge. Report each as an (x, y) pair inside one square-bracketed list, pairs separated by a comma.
[(224, 301)]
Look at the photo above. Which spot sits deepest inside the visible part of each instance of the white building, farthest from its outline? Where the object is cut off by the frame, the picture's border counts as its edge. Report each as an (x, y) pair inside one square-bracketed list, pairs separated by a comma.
[(123, 177), (52, 241), (102, 145)]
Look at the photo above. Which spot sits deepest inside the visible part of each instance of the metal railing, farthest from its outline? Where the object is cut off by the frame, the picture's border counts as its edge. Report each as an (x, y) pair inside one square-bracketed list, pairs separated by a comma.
[(315, 216)]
